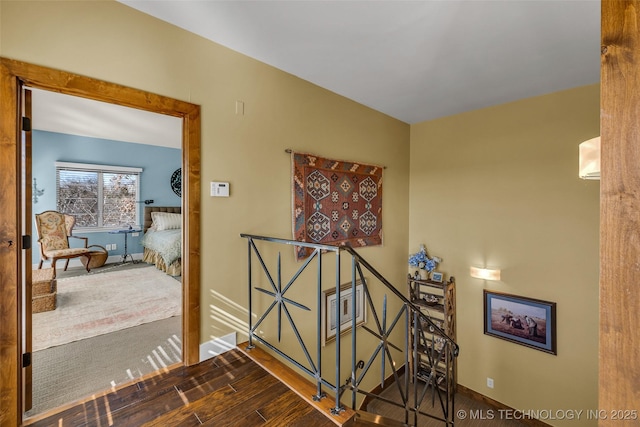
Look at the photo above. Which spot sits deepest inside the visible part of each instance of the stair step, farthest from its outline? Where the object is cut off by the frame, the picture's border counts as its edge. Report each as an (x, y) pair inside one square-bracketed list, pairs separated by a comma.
[(367, 419), (300, 385)]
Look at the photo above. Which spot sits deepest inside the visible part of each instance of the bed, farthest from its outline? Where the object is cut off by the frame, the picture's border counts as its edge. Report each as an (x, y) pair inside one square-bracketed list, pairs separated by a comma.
[(162, 240)]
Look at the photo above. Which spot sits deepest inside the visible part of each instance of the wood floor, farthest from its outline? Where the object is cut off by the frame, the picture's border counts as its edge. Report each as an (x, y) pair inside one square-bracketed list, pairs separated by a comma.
[(232, 389), (228, 390)]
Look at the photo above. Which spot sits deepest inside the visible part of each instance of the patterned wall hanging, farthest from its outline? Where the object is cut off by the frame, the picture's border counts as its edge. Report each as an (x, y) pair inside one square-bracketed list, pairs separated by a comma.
[(176, 182), (335, 202)]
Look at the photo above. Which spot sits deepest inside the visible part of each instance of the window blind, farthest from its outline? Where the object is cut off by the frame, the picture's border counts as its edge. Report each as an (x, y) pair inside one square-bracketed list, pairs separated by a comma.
[(98, 196)]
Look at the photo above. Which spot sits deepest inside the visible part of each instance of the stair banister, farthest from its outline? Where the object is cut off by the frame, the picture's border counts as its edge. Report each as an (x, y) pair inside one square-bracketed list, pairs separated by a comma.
[(447, 352), (389, 286)]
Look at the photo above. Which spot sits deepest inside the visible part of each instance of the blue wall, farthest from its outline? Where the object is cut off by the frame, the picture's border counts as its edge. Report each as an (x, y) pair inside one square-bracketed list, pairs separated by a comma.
[(158, 163)]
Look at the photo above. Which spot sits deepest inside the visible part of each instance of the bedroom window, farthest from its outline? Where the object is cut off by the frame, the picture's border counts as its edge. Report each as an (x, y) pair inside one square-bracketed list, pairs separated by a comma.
[(99, 196)]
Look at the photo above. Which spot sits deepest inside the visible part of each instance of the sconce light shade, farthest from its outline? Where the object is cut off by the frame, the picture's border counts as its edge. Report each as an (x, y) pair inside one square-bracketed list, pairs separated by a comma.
[(485, 273), (589, 166)]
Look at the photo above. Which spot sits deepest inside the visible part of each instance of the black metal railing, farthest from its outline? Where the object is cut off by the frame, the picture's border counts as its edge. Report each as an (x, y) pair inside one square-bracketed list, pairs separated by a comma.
[(414, 354)]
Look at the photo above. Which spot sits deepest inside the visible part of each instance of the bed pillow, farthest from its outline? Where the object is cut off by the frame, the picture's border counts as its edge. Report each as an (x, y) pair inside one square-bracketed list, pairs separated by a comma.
[(166, 221)]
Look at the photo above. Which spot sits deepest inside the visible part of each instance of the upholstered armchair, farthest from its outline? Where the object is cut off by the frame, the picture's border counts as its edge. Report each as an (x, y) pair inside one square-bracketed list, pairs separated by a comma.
[(54, 231)]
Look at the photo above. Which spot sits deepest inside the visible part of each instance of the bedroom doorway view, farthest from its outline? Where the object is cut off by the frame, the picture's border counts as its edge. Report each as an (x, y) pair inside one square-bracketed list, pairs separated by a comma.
[(110, 168)]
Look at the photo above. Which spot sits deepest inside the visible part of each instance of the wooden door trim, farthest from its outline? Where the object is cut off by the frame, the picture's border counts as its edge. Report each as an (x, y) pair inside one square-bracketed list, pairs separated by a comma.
[(619, 367), (10, 274), (12, 73)]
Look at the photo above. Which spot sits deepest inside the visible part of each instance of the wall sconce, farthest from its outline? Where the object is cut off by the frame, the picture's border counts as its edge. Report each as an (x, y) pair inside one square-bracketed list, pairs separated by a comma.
[(485, 273), (35, 193), (589, 163)]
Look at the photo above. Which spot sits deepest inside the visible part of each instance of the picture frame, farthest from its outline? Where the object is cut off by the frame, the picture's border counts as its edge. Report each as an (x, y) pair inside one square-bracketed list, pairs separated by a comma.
[(329, 307), (437, 277), (525, 321)]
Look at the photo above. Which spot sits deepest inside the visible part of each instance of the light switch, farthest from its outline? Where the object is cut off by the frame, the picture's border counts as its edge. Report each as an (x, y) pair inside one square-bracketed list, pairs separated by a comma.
[(219, 189)]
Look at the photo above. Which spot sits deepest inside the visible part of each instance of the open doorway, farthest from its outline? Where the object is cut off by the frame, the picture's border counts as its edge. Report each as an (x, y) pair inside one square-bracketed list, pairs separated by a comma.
[(106, 168), (13, 76)]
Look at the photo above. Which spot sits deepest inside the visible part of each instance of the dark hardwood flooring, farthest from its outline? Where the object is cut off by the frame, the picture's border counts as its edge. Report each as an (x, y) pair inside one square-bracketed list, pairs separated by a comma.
[(227, 390), (237, 388)]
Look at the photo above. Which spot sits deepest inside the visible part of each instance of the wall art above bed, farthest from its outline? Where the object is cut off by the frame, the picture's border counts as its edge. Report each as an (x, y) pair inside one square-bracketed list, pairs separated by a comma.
[(335, 202), (176, 182)]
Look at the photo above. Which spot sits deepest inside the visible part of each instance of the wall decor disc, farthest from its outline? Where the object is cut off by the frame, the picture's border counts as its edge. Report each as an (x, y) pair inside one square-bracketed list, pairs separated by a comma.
[(176, 182)]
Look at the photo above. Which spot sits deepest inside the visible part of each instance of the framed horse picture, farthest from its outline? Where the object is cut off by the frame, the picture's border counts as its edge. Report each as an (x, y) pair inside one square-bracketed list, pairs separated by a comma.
[(526, 321)]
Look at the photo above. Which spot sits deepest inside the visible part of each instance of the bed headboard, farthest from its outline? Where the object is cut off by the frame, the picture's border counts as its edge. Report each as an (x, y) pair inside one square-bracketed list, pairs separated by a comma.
[(149, 209)]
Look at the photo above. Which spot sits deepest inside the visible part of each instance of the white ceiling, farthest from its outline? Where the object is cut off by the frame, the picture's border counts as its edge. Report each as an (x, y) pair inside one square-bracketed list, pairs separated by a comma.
[(56, 112), (413, 60)]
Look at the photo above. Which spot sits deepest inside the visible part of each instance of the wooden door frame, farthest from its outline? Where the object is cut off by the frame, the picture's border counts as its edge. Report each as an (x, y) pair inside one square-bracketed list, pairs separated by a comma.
[(619, 339), (14, 74)]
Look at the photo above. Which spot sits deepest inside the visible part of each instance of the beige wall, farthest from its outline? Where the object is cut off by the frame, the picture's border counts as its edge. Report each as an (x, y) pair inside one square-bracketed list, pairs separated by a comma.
[(498, 187), (110, 41)]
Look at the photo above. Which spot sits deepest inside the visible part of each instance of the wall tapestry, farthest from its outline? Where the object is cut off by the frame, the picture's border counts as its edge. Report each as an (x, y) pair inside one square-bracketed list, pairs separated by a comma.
[(335, 202)]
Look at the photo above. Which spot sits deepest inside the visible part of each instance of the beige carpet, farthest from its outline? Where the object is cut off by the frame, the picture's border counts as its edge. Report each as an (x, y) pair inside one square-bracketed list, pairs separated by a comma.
[(95, 304), (77, 370)]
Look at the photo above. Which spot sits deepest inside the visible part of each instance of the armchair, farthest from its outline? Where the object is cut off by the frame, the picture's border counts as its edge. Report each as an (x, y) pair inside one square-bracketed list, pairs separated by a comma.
[(54, 231)]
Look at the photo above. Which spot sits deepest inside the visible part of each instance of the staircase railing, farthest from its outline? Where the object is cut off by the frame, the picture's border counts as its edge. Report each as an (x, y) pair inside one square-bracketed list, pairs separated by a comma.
[(394, 336)]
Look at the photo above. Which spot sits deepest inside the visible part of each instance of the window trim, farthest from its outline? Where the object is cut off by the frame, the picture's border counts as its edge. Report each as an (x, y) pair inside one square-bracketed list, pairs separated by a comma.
[(100, 168), (89, 167)]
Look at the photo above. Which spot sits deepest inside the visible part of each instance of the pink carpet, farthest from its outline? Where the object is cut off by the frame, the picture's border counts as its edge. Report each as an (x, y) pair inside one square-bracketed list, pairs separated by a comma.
[(96, 304)]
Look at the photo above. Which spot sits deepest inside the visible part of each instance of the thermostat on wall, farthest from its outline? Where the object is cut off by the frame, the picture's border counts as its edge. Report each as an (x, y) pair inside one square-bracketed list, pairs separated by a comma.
[(219, 189)]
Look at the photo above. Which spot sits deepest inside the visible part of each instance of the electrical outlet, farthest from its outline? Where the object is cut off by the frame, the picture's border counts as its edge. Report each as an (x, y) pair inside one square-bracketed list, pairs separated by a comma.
[(114, 246), (108, 247), (489, 382)]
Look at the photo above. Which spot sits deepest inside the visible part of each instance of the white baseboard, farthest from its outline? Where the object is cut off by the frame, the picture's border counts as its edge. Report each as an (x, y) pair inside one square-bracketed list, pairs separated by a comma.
[(217, 346)]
